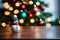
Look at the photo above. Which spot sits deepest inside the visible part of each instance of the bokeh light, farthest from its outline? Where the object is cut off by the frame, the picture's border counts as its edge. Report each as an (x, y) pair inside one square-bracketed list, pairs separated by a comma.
[(16, 11), (7, 13), (3, 24)]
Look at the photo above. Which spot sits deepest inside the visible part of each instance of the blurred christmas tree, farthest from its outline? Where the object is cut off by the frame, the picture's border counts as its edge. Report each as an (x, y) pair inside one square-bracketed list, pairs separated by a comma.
[(29, 12)]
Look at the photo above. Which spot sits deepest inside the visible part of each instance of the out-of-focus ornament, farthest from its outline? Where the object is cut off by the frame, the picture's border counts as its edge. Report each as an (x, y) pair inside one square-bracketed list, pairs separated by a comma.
[(16, 11), (23, 6), (13, 0), (37, 3), (11, 8), (7, 13), (21, 21), (35, 8), (3, 24), (30, 15), (6, 5), (23, 14), (41, 22), (30, 2), (42, 7), (32, 20)]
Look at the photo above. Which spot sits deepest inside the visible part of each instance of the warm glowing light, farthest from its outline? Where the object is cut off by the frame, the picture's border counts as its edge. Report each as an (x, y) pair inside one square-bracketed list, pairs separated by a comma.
[(30, 2), (11, 8), (32, 20), (48, 19), (25, 2), (16, 11), (7, 13), (17, 4), (6, 5), (37, 13), (59, 22), (48, 25), (21, 21), (3, 24), (37, 3)]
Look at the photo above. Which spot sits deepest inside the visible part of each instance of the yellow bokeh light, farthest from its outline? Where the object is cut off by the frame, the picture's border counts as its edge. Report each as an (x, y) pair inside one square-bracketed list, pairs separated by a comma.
[(17, 4), (48, 25), (32, 20), (48, 19), (16, 11), (37, 3), (59, 22), (25, 2), (37, 13), (7, 13), (30, 2), (3, 24), (6, 5), (21, 21), (11, 8)]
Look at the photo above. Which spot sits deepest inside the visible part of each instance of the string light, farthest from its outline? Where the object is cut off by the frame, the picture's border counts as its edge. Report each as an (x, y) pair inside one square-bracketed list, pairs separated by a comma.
[(3, 24), (30, 2), (6, 5), (48, 25), (32, 20), (7, 13), (17, 4), (37, 3), (10, 8), (21, 21), (25, 2), (48, 19), (16, 11), (37, 13)]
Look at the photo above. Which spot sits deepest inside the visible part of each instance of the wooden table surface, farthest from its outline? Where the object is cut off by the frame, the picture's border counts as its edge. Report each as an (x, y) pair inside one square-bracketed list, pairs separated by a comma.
[(31, 32)]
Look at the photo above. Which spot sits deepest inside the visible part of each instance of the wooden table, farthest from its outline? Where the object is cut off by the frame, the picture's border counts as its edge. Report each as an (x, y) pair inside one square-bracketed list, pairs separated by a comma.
[(32, 32)]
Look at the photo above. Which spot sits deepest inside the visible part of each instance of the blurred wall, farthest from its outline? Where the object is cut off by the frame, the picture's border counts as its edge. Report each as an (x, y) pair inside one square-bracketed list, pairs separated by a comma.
[(59, 8), (53, 8), (1, 4)]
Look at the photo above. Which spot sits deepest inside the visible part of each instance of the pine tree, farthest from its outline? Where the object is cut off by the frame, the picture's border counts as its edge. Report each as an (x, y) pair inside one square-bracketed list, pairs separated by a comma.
[(29, 12)]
